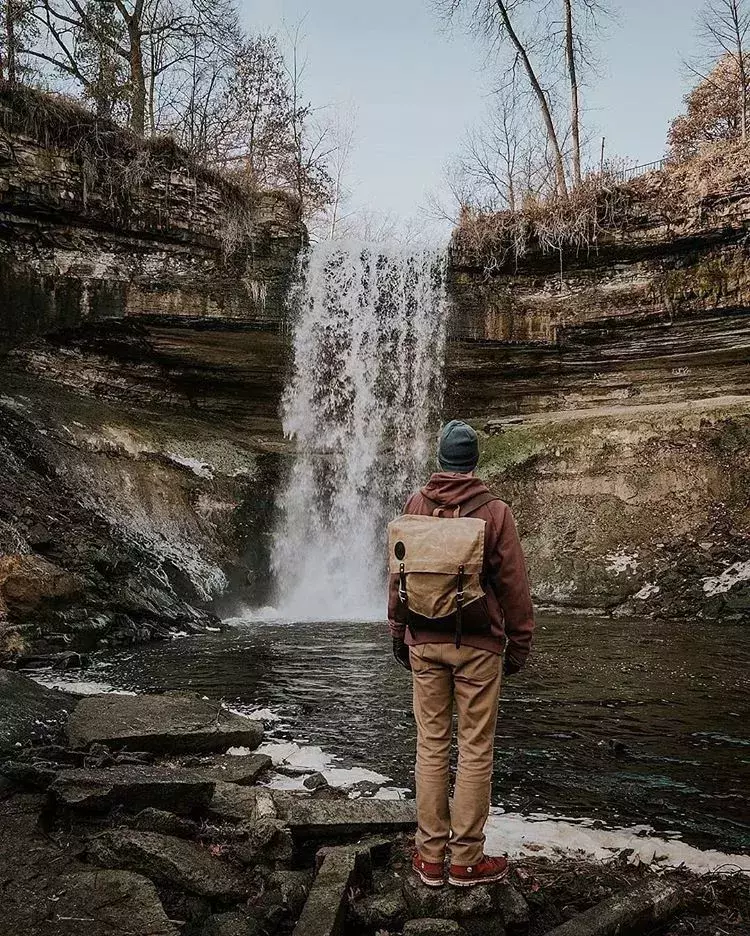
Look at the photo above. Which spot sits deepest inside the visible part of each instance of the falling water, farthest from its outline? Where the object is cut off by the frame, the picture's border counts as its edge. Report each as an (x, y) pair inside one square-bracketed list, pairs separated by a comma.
[(361, 406)]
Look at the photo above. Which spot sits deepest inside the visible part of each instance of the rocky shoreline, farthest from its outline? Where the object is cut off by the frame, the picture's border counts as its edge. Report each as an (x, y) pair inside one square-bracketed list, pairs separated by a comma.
[(130, 817)]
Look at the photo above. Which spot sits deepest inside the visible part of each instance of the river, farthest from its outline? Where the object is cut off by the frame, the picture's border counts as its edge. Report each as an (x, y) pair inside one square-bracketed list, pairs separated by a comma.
[(622, 721)]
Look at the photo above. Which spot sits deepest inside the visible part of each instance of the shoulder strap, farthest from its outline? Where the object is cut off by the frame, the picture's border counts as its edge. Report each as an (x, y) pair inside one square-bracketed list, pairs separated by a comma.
[(469, 506)]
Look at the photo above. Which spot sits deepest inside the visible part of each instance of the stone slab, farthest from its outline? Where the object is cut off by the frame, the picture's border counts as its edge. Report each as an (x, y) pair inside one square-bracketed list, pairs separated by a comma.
[(131, 786), (107, 902), (633, 912), (319, 818), (325, 910), (235, 803), (169, 860), (243, 770), (160, 723)]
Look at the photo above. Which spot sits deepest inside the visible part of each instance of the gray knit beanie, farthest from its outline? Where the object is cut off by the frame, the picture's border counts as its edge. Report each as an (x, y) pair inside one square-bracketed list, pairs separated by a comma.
[(459, 447)]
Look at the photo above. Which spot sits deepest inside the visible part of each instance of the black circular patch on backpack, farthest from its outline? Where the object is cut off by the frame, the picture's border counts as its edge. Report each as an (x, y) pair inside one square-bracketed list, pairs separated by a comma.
[(400, 550)]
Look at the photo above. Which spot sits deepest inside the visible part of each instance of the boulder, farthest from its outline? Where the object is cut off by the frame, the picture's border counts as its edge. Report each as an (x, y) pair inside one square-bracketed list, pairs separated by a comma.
[(169, 860), (131, 786), (160, 723), (380, 912), (166, 823), (234, 923), (27, 581), (110, 902), (29, 712), (291, 889), (267, 840), (433, 928), (491, 909)]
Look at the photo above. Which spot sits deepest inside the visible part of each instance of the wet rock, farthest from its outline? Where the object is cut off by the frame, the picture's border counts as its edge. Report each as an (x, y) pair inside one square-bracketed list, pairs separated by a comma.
[(166, 823), (161, 723), (433, 928), (316, 781), (111, 902), (312, 818), (234, 923), (267, 840), (169, 860), (27, 581), (30, 712), (380, 912), (131, 786)]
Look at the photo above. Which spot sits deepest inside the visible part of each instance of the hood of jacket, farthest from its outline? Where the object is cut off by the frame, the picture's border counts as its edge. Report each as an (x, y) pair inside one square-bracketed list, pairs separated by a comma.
[(450, 488)]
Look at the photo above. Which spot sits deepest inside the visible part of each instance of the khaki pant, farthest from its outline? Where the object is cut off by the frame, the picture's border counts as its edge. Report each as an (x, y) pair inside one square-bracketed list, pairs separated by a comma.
[(442, 674)]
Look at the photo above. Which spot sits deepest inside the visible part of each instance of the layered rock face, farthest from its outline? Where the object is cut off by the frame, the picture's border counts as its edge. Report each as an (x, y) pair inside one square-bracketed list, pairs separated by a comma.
[(142, 358), (614, 387)]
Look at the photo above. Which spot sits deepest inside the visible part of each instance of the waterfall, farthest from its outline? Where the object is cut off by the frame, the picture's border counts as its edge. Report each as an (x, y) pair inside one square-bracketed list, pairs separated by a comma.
[(361, 406)]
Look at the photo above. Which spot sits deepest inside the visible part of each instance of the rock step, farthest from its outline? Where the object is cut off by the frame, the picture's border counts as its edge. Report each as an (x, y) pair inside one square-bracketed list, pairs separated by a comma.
[(325, 910), (493, 909), (162, 724), (169, 860), (132, 786), (318, 818)]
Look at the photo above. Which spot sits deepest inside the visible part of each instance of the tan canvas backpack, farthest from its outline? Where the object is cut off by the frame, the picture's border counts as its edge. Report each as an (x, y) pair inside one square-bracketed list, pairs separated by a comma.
[(439, 563)]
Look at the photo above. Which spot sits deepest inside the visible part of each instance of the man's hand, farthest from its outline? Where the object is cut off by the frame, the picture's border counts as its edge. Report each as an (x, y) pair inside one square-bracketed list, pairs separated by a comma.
[(401, 653), (510, 666)]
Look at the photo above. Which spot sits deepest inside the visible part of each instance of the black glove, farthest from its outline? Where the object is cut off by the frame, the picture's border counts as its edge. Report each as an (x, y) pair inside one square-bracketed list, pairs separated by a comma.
[(511, 667), (401, 653)]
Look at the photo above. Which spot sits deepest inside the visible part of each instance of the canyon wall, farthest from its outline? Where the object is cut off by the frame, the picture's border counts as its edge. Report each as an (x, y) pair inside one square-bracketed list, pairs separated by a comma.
[(142, 357), (612, 385)]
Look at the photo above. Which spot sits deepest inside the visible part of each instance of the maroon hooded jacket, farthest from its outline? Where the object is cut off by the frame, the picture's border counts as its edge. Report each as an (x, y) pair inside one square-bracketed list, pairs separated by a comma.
[(508, 595)]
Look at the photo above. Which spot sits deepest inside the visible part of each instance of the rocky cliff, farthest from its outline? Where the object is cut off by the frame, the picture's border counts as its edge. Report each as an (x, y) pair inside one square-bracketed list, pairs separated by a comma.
[(142, 303), (613, 382)]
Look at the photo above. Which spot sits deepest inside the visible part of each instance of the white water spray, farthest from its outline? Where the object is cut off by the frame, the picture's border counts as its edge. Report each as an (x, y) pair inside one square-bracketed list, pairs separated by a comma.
[(365, 394)]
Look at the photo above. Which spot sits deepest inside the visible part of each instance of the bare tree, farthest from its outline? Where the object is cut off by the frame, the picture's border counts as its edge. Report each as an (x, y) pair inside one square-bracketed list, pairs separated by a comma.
[(724, 26), (16, 30)]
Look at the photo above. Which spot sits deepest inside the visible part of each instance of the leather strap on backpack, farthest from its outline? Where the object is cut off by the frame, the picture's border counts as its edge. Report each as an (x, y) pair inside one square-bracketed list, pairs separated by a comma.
[(474, 503)]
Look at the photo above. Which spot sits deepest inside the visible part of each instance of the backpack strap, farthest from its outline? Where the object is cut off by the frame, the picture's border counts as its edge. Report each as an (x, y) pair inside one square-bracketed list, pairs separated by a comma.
[(474, 503)]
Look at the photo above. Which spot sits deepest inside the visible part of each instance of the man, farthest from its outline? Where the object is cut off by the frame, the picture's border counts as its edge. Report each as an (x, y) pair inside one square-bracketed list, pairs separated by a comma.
[(463, 667)]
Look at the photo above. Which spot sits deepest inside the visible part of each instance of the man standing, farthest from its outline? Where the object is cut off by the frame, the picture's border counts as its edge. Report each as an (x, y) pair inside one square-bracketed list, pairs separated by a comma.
[(454, 643)]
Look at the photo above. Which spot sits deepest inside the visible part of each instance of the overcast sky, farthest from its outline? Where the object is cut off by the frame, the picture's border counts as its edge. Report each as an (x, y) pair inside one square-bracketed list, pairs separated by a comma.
[(417, 86)]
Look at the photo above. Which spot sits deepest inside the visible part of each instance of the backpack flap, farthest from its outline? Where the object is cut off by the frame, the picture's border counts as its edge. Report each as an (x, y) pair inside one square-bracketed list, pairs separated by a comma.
[(427, 554)]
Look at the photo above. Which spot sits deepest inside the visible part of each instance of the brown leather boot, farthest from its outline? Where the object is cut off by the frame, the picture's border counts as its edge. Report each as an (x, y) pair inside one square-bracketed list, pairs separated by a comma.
[(483, 872), (431, 873)]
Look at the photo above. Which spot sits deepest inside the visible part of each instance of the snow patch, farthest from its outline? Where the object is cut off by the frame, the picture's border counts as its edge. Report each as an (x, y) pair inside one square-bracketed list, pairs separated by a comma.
[(541, 836), (734, 575), (305, 760), (622, 561), (197, 467), (648, 591)]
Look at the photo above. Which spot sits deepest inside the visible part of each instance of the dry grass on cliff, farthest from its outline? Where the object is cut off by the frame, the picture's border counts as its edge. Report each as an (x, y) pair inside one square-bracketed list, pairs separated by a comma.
[(682, 196), (114, 160), (550, 225)]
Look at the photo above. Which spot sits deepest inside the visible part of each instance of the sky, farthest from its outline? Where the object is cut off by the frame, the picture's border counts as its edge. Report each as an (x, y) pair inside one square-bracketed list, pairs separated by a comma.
[(417, 85)]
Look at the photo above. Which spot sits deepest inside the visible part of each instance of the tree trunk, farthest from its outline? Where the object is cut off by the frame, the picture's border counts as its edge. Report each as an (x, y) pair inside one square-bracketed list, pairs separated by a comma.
[(10, 41), (541, 97), (137, 77), (575, 111)]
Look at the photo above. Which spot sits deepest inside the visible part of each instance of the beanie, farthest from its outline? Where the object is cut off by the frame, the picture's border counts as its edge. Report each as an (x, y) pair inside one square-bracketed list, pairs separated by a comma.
[(459, 447)]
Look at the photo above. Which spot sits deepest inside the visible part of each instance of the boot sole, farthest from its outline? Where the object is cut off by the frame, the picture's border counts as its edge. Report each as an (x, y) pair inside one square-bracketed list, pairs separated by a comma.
[(460, 882), (430, 882)]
